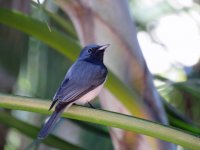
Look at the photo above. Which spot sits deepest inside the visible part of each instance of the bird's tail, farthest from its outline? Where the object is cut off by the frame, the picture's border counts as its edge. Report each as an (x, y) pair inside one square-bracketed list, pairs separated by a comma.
[(33, 145), (44, 132)]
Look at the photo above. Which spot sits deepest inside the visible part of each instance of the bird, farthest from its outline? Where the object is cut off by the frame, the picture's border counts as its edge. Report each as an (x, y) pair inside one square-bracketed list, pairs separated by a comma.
[(82, 83)]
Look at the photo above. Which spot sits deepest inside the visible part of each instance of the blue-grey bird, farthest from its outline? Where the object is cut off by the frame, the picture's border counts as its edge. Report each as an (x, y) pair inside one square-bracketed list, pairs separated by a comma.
[(82, 83)]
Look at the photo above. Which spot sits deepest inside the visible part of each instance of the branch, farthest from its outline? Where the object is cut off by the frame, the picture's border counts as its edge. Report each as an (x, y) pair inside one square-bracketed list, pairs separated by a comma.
[(105, 118)]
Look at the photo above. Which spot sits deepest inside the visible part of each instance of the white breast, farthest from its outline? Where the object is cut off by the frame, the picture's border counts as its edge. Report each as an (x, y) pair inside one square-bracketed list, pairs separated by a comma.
[(90, 95)]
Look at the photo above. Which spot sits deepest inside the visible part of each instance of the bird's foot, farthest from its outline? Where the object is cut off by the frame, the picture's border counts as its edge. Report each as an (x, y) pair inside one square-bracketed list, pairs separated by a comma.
[(91, 105)]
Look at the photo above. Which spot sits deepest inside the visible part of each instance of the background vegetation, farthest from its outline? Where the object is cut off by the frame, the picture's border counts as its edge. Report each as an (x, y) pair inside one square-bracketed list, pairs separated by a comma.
[(39, 41)]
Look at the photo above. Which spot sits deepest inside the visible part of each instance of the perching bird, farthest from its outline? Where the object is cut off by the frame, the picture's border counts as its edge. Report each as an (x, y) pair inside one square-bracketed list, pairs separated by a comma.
[(82, 83)]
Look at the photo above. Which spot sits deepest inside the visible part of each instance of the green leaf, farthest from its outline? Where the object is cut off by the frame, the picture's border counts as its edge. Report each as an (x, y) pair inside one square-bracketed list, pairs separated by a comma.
[(190, 86), (107, 118), (61, 42), (65, 24), (32, 131), (185, 126), (70, 48)]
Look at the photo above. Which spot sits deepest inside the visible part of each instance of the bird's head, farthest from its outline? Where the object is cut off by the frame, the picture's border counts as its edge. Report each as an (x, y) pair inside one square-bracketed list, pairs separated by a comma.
[(93, 53)]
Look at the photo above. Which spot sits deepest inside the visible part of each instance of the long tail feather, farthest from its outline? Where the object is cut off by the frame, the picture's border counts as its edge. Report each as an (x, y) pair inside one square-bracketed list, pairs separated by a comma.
[(33, 145), (44, 132)]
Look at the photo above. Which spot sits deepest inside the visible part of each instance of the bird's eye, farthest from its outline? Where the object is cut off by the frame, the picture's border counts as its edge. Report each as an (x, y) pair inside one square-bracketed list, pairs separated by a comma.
[(90, 50)]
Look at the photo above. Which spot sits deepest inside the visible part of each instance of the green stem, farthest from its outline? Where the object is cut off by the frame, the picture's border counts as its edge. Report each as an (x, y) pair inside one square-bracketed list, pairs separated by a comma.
[(106, 118)]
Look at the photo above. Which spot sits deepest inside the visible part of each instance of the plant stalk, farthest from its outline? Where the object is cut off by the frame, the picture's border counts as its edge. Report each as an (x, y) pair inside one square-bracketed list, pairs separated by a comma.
[(107, 118)]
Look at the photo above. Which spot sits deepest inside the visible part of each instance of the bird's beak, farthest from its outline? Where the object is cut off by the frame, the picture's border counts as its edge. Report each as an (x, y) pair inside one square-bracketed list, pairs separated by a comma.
[(103, 47)]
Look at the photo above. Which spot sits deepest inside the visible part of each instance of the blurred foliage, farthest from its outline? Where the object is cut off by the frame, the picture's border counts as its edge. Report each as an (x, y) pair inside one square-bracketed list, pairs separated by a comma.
[(60, 41), (181, 93), (32, 131), (39, 69)]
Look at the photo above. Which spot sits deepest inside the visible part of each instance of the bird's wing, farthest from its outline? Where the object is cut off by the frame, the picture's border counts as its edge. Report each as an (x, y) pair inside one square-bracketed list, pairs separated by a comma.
[(57, 95), (73, 90), (81, 79)]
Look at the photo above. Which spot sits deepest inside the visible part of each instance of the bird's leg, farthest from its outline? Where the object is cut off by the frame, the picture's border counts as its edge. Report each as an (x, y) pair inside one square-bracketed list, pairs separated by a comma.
[(91, 105)]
